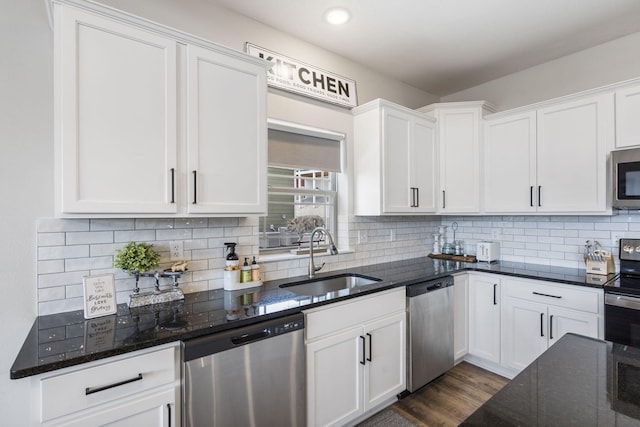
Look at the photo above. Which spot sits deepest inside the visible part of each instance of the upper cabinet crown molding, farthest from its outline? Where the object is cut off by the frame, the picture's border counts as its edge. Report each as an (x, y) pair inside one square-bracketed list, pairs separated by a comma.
[(146, 119)]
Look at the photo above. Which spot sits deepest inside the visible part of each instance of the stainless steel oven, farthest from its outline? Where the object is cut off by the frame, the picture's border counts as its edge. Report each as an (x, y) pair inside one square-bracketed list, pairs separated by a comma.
[(622, 298), (626, 178)]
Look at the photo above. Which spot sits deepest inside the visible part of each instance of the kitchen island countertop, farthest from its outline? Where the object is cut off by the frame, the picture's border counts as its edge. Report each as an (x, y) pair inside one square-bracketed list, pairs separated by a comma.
[(66, 339), (578, 381)]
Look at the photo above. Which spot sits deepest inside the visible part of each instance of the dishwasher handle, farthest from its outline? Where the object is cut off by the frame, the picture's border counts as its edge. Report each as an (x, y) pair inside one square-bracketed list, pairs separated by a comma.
[(247, 338)]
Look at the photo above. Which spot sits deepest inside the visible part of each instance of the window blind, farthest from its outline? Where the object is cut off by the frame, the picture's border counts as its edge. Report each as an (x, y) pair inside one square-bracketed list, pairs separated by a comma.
[(294, 150)]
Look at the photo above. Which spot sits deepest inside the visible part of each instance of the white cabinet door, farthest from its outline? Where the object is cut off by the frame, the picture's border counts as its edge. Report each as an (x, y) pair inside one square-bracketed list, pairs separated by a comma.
[(459, 139), (460, 316), (510, 163), (335, 378), (627, 114), (423, 165), (484, 317), (524, 333), (574, 139), (564, 321), (156, 410), (115, 118), (385, 368), (396, 158), (226, 134)]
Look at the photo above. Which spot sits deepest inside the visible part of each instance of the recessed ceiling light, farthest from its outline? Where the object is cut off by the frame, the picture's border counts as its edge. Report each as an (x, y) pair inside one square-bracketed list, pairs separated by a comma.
[(337, 16)]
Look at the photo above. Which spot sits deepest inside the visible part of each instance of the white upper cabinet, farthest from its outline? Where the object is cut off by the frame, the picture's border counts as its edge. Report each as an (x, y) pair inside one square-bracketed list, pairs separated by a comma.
[(460, 145), (628, 116), (395, 160), (574, 139), (226, 155), (128, 145), (549, 160), (115, 123), (510, 163)]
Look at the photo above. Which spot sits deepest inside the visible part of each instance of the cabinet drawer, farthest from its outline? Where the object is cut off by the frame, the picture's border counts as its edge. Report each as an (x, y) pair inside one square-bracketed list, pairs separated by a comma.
[(559, 295), (335, 317), (73, 391)]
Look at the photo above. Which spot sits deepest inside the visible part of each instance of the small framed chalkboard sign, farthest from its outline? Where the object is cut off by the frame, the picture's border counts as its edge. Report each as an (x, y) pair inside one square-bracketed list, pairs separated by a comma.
[(99, 296)]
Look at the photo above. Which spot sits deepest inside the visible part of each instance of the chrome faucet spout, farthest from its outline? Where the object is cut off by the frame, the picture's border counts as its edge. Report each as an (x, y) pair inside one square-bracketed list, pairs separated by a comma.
[(332, 250)]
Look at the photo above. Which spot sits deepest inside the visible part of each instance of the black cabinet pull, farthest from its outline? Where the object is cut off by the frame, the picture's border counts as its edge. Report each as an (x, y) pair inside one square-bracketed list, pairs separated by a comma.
[(169, 413), (539, 193), (546, 295), (413, 197), (195, 190), (362, 362), (417, 197), (551, 327), (91, 390), (495, 287), (443, 200), (531, 196), (370, 358), (541, 324), (173, 185)]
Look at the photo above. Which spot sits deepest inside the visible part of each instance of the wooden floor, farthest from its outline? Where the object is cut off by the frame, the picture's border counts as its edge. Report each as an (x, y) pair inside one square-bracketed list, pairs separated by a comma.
[(450, 399)]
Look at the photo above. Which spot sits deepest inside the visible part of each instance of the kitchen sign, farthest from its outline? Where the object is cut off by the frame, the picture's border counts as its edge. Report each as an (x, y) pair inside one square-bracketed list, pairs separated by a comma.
[(304, 79), (99, 296)]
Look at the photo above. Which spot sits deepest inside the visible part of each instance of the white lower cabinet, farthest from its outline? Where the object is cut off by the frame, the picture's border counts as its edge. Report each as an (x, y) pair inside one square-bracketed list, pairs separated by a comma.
[(137, 389), (536, 315), (484, 317), (356, 357)]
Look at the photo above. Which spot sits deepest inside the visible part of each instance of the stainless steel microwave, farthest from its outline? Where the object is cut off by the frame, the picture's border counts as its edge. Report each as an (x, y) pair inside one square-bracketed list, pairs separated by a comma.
[(626, 178)]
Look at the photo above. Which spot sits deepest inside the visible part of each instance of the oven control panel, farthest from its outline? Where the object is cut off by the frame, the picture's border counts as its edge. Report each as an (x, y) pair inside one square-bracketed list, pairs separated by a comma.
[(630, 249)]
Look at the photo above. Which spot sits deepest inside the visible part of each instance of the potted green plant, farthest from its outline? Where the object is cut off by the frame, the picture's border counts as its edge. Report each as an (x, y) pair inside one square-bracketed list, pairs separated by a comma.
[(136, 258)]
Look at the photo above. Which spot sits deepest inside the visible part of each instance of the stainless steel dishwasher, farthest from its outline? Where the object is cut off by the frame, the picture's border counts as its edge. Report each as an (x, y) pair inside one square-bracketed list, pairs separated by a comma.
[(430, 331), (250, 376)]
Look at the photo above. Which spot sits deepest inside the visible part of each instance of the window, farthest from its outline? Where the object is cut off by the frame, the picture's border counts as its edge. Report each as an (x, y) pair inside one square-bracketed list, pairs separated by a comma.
[(302, 189)]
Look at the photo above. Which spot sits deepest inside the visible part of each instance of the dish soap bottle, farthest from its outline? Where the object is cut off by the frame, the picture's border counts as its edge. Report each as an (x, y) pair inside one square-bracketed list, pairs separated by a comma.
[(232, 261), (245, 272), (255, 271)]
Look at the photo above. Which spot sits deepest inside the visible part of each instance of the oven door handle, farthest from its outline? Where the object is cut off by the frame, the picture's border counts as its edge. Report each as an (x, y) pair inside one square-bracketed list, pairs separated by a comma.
[(622, 301)]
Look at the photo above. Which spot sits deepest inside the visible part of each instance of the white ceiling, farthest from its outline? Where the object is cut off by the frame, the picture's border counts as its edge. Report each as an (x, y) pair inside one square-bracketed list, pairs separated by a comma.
[(443, 46)]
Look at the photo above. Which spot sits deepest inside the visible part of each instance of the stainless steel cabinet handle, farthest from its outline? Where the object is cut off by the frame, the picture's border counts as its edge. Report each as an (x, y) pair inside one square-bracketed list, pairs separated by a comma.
[(495, 287), (546, 295), (362, 362), (369, 359), (541, 324), (91, 390), (551, 327), (173, 185), (195, 191)]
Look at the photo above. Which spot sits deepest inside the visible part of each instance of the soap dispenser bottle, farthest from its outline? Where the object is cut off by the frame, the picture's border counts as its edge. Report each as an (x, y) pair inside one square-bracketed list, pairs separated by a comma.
[(255, 271), (245, 272)]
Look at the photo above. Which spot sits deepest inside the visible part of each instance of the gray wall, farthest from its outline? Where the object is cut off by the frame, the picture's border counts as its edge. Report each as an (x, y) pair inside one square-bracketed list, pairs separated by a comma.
[(610, 62)]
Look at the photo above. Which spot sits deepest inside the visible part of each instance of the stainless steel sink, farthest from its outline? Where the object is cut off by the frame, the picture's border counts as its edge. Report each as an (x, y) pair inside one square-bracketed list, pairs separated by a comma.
[(325, 285)]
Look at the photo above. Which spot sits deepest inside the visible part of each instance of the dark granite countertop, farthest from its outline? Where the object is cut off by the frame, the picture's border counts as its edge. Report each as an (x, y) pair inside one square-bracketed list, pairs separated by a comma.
[(66, 339), (579, 381)]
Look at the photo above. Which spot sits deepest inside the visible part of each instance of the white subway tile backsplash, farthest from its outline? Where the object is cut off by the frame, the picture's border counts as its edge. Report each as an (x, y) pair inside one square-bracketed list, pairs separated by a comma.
[(71, 249)]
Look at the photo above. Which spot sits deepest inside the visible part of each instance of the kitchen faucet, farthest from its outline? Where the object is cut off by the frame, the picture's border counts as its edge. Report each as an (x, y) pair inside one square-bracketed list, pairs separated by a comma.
[(332, 250)]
